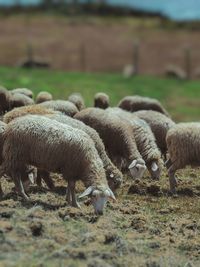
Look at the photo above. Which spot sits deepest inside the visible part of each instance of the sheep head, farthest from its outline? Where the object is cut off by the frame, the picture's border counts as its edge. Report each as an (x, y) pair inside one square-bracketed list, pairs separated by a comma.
[(155, 170), (99, 196), (115, 179), (137, 168)]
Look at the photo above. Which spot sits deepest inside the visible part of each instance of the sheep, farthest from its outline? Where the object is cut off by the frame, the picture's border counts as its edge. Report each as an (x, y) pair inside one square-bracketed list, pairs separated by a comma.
[(21, 111), (23, 91), (66, 107), (135, 103), (145, 141), (183, 144), (55, 147), (113, 175), (77, 100), (160, 124), (101, 100), (19, 100), (30, 172), (117, 138), (43, 96), (2, 130), (4, 100)]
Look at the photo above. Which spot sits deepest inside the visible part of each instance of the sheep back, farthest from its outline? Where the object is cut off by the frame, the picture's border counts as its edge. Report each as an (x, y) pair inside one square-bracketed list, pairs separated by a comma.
[(101, 100), (66, 107), (135, 103), (43, 96)]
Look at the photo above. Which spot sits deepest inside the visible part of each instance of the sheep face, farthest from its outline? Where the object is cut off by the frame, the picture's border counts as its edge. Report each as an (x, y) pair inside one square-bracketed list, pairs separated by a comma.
[(99, 196), (115, 180), (137, 168), (154, 170)]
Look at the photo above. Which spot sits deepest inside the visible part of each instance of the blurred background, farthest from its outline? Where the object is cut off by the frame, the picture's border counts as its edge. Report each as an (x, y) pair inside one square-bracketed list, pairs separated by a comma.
[(148, 47)]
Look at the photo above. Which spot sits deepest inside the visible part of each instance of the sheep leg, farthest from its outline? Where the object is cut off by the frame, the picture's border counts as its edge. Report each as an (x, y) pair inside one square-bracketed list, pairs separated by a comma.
[(68, 196), (42, 174), (39, 179), (168, 163), (1, 191), (20, 188), (172, 179), (1, 174), (49, 182), (71, 186)]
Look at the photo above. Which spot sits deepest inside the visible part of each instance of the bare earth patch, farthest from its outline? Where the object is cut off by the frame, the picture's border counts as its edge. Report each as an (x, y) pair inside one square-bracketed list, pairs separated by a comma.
[(146, 227)]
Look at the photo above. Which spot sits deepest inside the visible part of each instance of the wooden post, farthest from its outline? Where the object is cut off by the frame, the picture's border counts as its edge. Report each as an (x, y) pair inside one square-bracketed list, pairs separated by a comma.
[(187, 53), (136, 56), (83, 57)]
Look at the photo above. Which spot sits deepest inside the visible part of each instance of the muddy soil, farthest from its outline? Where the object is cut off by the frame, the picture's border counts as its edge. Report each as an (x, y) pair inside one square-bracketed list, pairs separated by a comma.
[(146, 227)]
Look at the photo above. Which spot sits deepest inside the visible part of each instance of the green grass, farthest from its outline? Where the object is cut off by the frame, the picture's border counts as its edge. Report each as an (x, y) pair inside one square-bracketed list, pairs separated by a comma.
[(181, 98)]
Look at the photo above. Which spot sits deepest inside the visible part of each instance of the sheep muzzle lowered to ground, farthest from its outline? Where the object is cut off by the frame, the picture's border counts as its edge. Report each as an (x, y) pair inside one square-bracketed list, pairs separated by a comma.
[(155, 171), (137, 168), (99, 197)]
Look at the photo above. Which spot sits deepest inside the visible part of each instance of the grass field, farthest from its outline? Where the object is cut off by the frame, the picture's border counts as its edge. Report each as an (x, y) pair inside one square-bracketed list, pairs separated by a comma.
[(145, 228), (181, 98)]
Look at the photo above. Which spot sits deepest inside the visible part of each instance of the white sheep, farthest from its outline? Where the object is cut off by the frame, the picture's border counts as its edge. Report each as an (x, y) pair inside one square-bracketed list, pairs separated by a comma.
[(43, 96), (101, 100), (160, 125), (114, 176), (23, 91), (77, 100), (145, 141), (135, 103), (55, 147), (117, 137), (183, 143), (66, 107)]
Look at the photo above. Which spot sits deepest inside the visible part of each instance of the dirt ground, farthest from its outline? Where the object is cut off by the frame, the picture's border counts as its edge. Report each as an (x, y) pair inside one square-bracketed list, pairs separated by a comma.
[(95, 44), (146, 227)]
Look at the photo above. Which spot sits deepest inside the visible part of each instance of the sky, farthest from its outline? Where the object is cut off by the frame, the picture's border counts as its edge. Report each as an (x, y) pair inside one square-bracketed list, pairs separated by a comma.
[(174, 9)]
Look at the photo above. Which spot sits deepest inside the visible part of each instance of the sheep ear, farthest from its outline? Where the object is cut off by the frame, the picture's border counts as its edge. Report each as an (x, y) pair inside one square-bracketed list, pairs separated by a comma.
[(111, 195), (31, 178), (154, 167), (87, 192), (133, 164)]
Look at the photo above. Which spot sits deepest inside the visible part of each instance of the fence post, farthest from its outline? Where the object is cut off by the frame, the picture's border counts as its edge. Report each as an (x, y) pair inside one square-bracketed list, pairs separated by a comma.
[(187, 57), (136, 56), (83, 57)]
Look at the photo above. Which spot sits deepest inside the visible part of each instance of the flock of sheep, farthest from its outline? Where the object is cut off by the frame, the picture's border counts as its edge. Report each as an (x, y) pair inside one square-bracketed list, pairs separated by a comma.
[(95, 145)]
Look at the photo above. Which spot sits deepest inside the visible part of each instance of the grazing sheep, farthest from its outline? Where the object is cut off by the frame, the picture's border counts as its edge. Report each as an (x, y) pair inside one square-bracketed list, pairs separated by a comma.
[(23, 91), (101, 100), (183, 143), (22, 111), (145, 141), (159, 123), (135, 103), (4, 100), (55, 147), (66, 107), (113, 175), (19, 100), (175, 72), (77, 100), (30, 172), (117, 138), (43, 96)]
